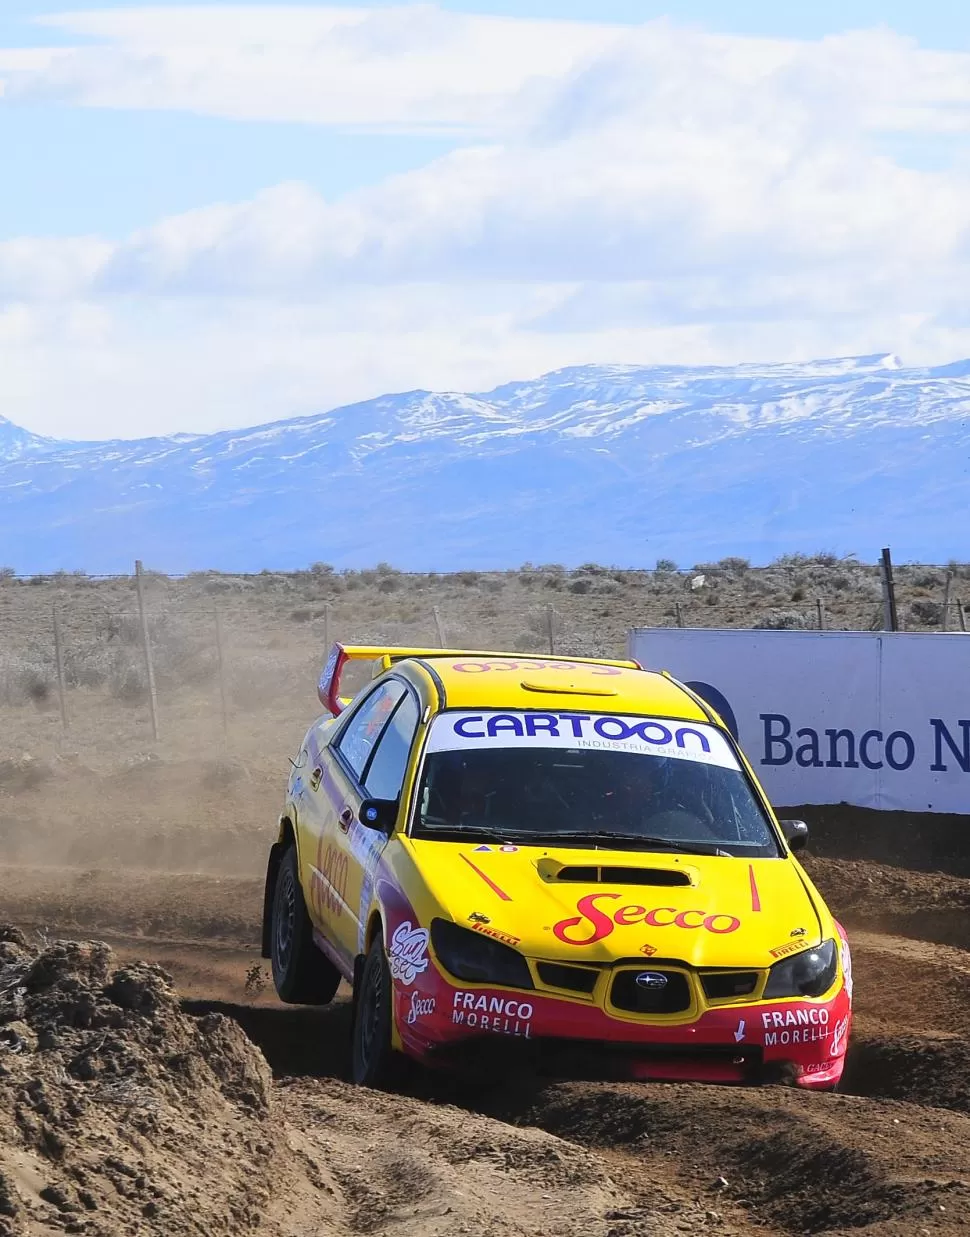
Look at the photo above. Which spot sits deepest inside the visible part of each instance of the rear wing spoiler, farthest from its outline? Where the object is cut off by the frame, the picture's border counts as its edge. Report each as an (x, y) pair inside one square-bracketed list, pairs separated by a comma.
[(328, 688)]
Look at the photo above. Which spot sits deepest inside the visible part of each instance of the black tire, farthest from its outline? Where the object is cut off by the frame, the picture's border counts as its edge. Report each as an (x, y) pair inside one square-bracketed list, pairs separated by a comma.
[(373, 1060), (302, 974)]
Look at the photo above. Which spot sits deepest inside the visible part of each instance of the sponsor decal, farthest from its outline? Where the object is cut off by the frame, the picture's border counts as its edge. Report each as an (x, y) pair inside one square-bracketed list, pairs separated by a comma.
[(790, 947), (508, 850), (496, 934), (651, 979), (328, 881), (594, 924), (408, 953), (808, 1015), (482, 850), (478, 917), (648, 950), (845, 955), (799, 932), (366, 893), (739, 1033), (694, 741), (837, 1046), (807, 1025), (421, 1007), (501, 1015), (496, 667)]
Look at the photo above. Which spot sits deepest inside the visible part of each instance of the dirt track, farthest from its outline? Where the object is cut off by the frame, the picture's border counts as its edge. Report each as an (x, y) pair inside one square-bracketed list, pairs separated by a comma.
[(889, 1156)]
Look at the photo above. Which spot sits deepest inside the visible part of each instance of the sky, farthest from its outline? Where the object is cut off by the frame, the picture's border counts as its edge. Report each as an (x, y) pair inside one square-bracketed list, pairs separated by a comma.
[(220, 215)]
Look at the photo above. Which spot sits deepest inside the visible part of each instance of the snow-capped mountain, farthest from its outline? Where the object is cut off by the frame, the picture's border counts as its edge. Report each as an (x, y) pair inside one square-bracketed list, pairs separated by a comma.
[(617, 464)]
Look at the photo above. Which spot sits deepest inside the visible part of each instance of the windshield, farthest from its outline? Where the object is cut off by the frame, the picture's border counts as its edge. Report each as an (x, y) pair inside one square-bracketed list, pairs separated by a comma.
[(629, 782)]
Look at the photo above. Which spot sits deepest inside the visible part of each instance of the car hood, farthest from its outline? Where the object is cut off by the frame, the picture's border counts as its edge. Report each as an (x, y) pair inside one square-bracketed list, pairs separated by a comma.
[(598, 905)]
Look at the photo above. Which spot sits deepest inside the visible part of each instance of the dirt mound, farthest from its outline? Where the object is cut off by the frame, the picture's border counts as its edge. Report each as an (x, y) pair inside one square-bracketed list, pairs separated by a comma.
[(935, 1072), (117, 1110), (796, 1162), (928, 906)]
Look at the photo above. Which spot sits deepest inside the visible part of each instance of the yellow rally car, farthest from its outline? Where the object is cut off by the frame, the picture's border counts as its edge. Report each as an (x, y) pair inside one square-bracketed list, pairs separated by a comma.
[(561, 858)]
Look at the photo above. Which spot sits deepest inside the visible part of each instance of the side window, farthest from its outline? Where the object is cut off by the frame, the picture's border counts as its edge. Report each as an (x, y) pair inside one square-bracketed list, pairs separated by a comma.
[(364, 728), (385, 776)]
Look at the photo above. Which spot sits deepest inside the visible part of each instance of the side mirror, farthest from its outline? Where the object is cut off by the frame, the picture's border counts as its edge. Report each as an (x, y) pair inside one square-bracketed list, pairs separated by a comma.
[(379, 814), (796, 833)]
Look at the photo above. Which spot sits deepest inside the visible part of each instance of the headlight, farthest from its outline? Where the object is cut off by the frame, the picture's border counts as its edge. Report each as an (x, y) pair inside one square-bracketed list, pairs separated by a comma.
[(478, 959), (811, 973)]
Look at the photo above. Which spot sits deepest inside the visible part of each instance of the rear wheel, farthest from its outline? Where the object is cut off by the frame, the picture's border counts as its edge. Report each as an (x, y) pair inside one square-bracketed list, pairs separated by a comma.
[(301, 973), (374, 1058)]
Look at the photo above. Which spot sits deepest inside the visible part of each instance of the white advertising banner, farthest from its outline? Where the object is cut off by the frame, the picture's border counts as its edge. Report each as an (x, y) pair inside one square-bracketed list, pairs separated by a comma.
[(876, 720)]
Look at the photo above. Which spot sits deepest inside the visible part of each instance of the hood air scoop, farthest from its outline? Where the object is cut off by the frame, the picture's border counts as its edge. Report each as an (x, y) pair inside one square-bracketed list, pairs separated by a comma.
[(594, 874)]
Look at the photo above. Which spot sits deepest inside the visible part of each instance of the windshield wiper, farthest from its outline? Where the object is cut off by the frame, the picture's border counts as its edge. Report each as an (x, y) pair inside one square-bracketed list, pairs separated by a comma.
[(440, 826), (636, 840)]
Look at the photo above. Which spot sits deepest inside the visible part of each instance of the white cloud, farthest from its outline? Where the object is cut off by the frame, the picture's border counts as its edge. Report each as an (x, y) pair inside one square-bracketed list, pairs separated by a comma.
[(651, 194), (412, 69)]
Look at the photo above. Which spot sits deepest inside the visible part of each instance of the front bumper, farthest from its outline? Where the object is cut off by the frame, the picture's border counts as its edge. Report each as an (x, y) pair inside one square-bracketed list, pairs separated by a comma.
[(801, 1041)]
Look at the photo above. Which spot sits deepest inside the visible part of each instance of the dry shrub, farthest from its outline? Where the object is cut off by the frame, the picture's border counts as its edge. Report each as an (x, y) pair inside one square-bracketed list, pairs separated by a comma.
[(785, 620)]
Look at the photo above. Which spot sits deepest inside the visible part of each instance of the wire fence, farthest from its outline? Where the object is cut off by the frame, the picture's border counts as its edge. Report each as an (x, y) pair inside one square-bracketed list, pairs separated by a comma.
[(215, 661)]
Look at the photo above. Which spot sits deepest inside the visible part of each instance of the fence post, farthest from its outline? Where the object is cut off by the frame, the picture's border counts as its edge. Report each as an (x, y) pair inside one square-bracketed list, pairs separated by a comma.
[(820, 607), (326, 629), (680, 614), (438, 627), (222, 674), (890, 617), (149, 668), (59, 657), (946, 601), (962, 611), (551, 625)]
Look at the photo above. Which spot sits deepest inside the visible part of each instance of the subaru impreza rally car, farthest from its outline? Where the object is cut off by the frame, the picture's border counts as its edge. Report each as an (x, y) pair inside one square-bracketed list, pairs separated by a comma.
[(550, 857)]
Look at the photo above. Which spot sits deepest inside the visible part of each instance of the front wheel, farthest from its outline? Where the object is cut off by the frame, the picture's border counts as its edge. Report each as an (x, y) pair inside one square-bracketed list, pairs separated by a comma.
[(302, 974), (373, 1057)]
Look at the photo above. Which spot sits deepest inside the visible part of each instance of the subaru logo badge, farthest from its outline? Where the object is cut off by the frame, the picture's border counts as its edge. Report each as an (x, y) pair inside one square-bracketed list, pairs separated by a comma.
[(651, 979)]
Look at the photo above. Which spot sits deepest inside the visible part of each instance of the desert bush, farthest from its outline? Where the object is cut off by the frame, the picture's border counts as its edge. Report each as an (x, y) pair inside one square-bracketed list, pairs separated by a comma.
[(665, 566), (736, 566), (785, 620), (321, 569), (127, 681), (388, 584), (7, 573), (537, 621), (302, 615), (928, 579), (929, 613), (580, 584), (470, 579), (798, 593)]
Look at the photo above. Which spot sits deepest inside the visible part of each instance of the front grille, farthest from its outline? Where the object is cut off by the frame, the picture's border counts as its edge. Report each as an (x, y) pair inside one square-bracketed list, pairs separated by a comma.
[(724, 985), (574, 978), (638, 998)]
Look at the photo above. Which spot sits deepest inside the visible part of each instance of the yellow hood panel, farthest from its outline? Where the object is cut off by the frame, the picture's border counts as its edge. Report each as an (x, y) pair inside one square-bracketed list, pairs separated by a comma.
[(722, 912)]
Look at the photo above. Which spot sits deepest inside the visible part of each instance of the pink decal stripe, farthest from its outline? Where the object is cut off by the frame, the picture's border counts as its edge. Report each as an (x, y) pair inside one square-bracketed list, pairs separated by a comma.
[(488, 880), (755, 896)]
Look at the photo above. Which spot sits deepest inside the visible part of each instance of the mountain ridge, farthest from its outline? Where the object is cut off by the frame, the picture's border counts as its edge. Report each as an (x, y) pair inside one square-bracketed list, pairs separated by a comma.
[(620, 463)]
